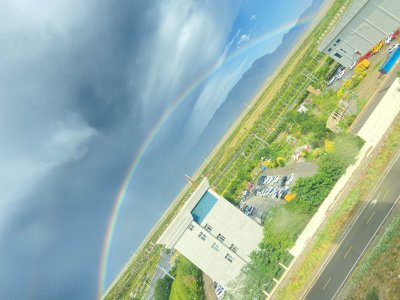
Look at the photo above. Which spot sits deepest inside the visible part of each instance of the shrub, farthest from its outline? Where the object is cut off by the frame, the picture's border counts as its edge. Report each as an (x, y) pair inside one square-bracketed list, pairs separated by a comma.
[(281, 161), (162, 289), (347, 84), (329, 146), (188, 283)]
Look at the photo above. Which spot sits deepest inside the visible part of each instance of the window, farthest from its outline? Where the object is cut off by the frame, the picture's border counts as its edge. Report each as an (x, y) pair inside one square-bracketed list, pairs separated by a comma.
[(330, 49), (338, 41), (191, 227), (202, 236), (208, 228), (220, 237), (215, 246), (233, 248), (229, 257), (338, 55), (343, 50)]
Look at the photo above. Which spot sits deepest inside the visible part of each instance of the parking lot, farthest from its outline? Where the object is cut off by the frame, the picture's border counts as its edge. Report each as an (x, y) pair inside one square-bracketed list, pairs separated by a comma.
[(271, 187)]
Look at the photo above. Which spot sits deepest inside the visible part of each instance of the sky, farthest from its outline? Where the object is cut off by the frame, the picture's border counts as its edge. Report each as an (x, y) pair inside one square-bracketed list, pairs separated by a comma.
[(86, 89)]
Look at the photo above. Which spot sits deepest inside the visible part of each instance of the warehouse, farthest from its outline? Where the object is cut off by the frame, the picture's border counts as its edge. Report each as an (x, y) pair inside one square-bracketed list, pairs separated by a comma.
[(213, 234), (365, 24)]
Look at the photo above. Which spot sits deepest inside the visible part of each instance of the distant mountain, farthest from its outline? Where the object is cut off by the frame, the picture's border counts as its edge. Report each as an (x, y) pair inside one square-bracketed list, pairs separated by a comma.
[(251, 81)]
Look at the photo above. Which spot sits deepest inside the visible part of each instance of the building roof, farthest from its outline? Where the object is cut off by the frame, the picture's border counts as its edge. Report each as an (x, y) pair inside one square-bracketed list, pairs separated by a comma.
[(179, 224), (352, 11)]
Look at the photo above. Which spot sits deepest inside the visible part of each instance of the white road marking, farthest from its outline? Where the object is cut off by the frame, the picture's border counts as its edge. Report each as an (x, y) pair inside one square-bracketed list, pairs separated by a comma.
[(347, 252), (365, 248), (326, 283), (324, 265), (371, 217)]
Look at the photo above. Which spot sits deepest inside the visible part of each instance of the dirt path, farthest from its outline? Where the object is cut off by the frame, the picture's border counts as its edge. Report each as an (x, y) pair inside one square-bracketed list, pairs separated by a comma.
[(208, 286)]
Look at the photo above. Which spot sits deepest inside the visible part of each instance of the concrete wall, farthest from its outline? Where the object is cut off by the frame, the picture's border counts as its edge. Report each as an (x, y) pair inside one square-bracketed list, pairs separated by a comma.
[(365, 23)]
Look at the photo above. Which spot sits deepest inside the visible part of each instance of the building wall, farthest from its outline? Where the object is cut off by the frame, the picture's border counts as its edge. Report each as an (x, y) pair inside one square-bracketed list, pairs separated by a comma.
[(223, 218), (236, 228), (206, 258), (365, 23), (183, 218)]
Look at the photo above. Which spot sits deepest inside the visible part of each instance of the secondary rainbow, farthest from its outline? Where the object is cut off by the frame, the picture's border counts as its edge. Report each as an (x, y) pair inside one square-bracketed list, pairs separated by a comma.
[(121, 195)]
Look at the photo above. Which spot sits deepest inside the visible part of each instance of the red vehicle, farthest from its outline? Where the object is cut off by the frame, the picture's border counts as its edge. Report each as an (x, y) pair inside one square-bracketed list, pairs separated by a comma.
[(395, 34)]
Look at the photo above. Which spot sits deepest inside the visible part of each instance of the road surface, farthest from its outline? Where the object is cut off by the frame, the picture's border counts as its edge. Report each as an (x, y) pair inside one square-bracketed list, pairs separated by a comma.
[(162, 267), (370, 218)]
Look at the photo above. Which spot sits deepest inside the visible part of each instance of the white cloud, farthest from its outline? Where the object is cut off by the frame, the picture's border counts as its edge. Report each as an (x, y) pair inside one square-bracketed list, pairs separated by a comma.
[(253, 17), (243, 38), (39, 131), (186, 46), (18, 175), (228, 46)]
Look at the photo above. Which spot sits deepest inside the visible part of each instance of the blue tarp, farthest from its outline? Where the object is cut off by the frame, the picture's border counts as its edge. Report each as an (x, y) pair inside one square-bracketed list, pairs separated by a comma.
[(389, 63)]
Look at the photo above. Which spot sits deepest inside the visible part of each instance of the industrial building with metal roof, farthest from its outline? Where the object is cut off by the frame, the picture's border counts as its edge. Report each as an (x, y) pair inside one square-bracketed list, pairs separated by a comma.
[(363, 25)]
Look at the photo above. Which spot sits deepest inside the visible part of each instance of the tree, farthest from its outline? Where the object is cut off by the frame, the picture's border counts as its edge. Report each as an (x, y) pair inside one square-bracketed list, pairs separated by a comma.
[(162, 289)]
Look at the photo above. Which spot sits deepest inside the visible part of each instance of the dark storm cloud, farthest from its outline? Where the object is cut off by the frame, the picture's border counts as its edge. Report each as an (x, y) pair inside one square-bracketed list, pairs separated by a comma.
[(81, 85)]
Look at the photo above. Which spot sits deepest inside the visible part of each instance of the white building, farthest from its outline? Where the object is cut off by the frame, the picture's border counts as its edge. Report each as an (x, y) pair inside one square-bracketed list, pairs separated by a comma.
[(213, 234), (364, 24)]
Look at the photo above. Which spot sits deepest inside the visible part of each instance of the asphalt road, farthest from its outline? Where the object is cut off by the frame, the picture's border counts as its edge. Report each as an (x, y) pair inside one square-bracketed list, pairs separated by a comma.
[(163, 265), (370, 218)]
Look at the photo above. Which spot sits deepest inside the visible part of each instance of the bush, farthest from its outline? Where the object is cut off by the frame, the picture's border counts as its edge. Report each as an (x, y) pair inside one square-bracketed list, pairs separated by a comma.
[(162, 289), (188, 283), (281, 161)]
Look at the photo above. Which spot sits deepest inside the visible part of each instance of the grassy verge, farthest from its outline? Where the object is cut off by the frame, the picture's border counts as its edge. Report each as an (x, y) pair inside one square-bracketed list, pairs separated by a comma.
[(377, 276), (314, 256)]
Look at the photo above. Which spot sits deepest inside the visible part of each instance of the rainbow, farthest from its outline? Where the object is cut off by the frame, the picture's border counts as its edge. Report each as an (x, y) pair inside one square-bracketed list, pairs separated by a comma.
[(153, 133)]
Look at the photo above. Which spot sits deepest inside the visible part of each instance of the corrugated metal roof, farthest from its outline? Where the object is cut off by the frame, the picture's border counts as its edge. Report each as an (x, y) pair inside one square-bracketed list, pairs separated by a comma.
[(352, 11)]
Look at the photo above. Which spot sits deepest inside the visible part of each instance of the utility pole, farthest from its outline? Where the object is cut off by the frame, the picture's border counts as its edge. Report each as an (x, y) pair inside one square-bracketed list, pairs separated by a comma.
[(190, 180), (262, 140), (166, 272), (309, 75)]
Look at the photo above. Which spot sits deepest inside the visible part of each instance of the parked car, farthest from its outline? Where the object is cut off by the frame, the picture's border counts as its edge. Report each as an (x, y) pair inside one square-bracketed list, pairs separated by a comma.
[(389, 38), (353, 65), (290, 178), (283, 180), (219, 291), (393, 48), (249, 210), (340, 74), (331, 80)]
